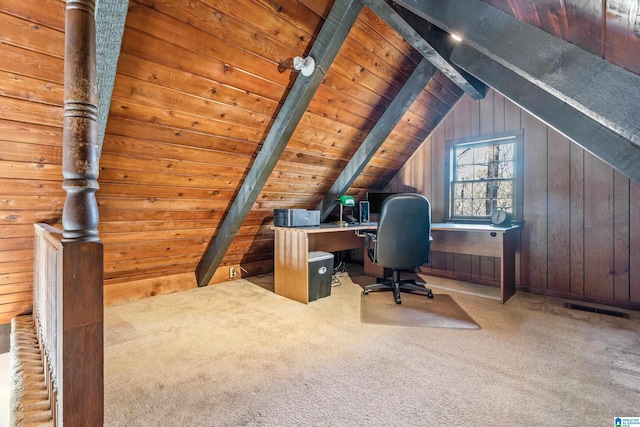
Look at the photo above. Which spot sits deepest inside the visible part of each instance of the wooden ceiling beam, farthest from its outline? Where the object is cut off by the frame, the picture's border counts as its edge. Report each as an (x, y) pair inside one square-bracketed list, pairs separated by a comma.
[(610, 147), (590, 100), (410, 91), (110, 18), (472, 86), (334, 32)]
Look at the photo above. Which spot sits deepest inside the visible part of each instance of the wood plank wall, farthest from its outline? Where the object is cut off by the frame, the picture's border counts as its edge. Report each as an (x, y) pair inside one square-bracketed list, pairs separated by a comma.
[(581, 237), (606, 28), (196, 91), (191, 107), (31, 99)]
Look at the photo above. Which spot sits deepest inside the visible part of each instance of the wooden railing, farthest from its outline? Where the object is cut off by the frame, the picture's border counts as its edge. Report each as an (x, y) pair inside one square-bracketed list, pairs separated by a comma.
[(68, 316), (69, 265), (48, 248)]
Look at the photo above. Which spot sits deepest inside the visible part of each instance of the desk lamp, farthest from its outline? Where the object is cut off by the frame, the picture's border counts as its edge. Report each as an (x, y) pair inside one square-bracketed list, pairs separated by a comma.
[(345, 200)]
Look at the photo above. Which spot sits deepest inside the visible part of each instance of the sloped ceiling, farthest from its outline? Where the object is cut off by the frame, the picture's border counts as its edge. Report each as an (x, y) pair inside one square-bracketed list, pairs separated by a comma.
[(583, 96), (197, 88), (574, 91), (259, 39)]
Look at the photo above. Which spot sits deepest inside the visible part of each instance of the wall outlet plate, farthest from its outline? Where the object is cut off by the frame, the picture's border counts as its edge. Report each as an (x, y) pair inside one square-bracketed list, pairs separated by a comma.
[(233, 272)]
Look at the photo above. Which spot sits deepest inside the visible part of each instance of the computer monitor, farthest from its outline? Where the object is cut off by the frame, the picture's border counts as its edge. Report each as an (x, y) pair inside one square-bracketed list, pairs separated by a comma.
[(376, 200)]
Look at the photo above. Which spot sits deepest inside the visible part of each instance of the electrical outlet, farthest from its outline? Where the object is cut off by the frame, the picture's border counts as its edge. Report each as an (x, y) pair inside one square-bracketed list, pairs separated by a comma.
[(233, 272)]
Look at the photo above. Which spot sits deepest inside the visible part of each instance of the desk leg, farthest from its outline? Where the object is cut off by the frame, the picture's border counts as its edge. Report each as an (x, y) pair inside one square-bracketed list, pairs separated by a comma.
[(508, 266)]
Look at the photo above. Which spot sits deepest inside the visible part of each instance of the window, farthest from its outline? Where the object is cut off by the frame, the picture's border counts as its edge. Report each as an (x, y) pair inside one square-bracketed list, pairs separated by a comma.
[(484, 174)]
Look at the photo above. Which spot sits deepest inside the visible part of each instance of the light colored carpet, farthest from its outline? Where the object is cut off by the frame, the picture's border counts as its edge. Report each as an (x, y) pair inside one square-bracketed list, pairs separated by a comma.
[(236, 354), (415, 310)]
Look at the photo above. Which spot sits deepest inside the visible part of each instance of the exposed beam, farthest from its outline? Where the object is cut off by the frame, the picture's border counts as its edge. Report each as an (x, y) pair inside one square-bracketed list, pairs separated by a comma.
[(612, 148), (332, 35), (383, 127), (110, 19), (469, 84), (440, 40), (510, 55)]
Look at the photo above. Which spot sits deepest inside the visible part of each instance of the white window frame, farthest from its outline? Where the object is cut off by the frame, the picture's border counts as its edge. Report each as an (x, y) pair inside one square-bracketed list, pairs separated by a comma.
[(450, 179)]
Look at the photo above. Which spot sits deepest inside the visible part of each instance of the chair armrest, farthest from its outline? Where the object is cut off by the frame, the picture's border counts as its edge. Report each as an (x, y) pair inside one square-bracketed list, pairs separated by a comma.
[(370, 240)]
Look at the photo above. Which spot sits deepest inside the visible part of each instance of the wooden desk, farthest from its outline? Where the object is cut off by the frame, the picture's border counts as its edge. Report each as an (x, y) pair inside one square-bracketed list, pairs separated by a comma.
[(291, 254), (481, 239), (292, 247)]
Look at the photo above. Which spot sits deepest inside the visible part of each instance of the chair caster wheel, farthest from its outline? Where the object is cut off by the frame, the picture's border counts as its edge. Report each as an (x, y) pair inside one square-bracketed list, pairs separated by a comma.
[(365, 292), (430, 295), (398, 301)]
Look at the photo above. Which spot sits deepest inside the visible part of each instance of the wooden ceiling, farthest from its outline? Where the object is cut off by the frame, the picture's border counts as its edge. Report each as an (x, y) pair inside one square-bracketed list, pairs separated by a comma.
[(198, 86), (609, 29), (192, 106)]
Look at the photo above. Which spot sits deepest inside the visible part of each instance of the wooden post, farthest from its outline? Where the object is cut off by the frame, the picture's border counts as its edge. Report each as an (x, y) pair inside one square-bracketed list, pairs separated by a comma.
[(80, 143), (80, 335), (80, 306)]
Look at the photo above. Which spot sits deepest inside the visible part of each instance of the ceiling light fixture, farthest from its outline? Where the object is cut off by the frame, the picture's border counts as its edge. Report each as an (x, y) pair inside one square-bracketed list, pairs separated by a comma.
[(456, 37), (305, 65)]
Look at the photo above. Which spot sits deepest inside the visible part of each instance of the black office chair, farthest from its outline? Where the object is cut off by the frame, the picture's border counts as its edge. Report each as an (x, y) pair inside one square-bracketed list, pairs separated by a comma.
[(401, 242)]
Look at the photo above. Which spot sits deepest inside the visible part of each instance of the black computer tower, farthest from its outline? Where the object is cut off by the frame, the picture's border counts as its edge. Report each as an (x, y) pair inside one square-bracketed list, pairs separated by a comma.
[(320, 273)]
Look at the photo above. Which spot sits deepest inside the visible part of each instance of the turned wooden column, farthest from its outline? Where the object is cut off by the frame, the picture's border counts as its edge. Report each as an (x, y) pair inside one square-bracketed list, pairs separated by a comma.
[(80, 385), (80, 141)]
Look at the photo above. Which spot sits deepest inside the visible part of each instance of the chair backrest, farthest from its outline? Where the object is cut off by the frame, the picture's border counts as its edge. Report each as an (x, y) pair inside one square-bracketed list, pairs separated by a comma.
[(403, 238)]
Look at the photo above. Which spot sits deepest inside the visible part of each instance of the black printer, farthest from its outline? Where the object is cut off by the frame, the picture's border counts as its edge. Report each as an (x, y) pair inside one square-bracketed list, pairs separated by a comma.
[(295, 218)]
